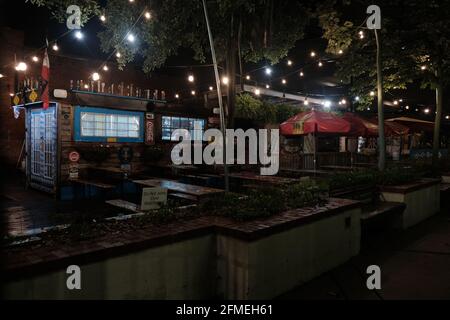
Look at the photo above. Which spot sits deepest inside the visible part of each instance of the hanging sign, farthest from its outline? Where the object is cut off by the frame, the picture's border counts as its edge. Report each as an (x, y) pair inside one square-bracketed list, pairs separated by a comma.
[(153, 198), (149, 132)]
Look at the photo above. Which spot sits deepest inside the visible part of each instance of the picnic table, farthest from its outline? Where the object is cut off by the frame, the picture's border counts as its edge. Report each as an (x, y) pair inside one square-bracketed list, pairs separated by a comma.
[(254, 178), (178, 188)]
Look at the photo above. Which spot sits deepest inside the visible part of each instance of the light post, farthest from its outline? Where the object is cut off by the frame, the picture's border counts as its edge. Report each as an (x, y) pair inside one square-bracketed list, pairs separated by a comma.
[(219, 97)]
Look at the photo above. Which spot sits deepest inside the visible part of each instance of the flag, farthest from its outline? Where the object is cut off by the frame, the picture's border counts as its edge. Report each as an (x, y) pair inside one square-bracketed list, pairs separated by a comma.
[(45, 77)]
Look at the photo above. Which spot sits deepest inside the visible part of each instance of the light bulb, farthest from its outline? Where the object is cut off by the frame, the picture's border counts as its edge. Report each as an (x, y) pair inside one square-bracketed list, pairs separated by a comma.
[(147, 15), (118, 55), (21, 66), (79, 35), (193, 92), (35, 59), (95, 76), (257, 92), (225, 80), (131, 37), (105, 68), (268, 71), (177, 96), (55, 47), (313, 54), (191, 78), (103, 18)]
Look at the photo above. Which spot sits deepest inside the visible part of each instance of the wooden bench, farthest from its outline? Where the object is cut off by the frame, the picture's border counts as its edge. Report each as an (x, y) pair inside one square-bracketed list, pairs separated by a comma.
[(93, 183)]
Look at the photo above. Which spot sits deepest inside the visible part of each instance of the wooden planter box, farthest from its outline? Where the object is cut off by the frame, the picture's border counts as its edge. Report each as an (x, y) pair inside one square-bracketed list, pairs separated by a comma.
[(422, 199), (202, 258)]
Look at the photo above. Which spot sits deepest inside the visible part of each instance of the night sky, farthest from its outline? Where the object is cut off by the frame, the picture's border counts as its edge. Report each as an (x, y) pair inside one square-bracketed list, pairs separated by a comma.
[(36, 23)]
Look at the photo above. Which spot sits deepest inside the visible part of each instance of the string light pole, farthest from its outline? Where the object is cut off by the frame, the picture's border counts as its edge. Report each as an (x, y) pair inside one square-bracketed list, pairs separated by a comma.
[(219, 97), (381, 135)]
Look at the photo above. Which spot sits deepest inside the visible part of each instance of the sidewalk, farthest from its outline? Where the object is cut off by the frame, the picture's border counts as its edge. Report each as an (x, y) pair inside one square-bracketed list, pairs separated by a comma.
[(415, 264)]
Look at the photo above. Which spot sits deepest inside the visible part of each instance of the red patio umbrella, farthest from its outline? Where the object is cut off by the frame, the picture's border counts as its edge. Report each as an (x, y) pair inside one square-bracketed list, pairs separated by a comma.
[(315, 122), (414, 125), (360, 127)]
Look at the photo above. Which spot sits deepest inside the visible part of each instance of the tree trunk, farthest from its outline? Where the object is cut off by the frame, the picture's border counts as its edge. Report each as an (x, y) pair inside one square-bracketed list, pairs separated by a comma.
[(381, 136), (437, 123)]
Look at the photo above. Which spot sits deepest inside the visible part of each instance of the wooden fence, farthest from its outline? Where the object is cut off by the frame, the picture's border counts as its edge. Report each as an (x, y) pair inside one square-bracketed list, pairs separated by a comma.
[(306, 161)]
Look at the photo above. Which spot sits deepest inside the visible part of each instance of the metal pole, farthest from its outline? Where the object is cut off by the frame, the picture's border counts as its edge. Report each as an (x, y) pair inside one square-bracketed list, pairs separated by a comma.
[(381, 135), (219, 97)]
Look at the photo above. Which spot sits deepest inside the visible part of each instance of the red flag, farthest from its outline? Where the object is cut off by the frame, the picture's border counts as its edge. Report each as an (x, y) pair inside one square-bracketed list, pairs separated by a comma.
[(45, 75)]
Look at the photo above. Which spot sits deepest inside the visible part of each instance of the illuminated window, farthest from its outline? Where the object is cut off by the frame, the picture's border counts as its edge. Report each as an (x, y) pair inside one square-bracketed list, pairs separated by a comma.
[(96, 124), (194, 126)]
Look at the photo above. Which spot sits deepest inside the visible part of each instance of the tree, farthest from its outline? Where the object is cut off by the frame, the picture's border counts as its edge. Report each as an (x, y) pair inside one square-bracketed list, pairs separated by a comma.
[(416, 38), (262, 30)]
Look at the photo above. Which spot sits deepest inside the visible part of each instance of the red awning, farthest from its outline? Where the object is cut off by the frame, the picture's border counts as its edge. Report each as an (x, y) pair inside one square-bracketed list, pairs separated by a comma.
[(392, 128), (360, 127), (315, 122), (415, 125)]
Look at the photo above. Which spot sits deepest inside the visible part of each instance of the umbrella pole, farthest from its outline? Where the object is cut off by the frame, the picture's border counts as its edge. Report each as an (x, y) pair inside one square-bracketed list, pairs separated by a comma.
[(315, 153)]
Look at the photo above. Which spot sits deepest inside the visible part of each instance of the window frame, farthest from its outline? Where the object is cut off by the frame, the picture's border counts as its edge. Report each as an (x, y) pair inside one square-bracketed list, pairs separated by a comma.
[(179, 127), (107, 111)]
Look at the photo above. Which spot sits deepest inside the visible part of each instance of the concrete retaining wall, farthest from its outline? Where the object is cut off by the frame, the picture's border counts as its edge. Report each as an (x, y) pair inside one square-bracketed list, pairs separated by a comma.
[(421, 203), (221, 264)]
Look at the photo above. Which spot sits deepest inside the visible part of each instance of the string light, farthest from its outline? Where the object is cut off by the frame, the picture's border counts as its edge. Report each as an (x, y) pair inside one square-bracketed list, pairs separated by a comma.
[(361, 34), (423, 68), (283, 81), (427, 111), (131, 38), (327, 104), (147, 15), (268, 71), (1, 76), (257, 92), (177, 96), (320, 64), (95, 76), (343, 101), (407, 107), (289, 62), (11, 94), (193, 92), (211, 88), (267, 86), (35, 59), (55, 47), (105, 68), (357, 98), (21, 66), (86, 86), (247, 77), (395, 103), (302, 74), (191, 78), (78, 35), (313, 54), (447, 117), (102, 18), (306, 102), (372, 93), (131, 1), (341, 52), (118, 55)]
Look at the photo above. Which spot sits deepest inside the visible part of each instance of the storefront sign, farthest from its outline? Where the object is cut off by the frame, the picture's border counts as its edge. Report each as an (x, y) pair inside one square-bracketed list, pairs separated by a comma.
[(74, 156), (153, 198)]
